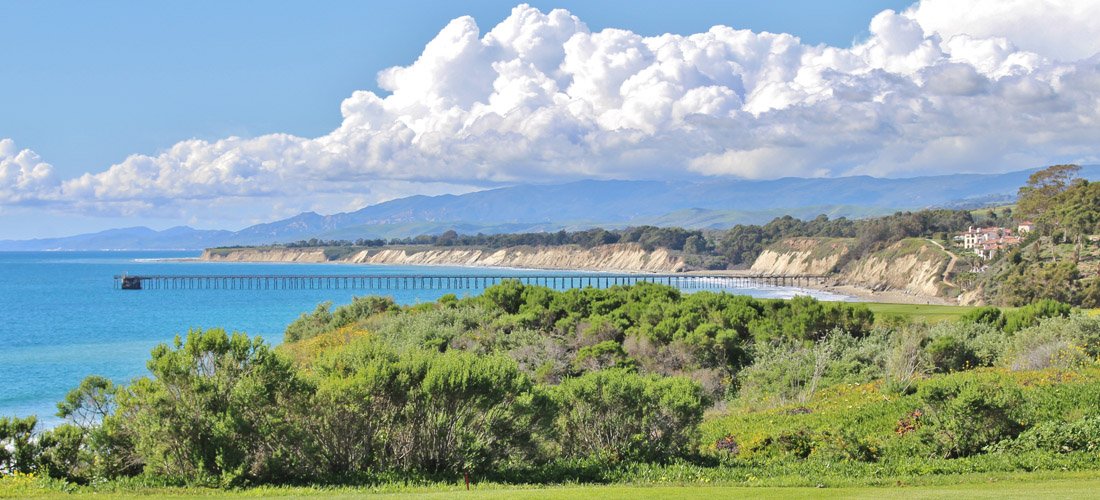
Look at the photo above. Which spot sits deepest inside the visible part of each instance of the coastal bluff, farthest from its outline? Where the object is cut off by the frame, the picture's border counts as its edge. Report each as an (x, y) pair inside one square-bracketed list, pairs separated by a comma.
[(912, 266), (617, 257)]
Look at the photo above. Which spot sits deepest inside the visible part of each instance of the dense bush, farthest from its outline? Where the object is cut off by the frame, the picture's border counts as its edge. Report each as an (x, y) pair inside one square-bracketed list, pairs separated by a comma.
[(951, 354), (217, 408), (1030, 314), (962, 417), (530, 384), (17, 446), (322, 320), (654, 328), (619, 415), (1065, 343), (1057, 436), (785, 372), (421, 411)]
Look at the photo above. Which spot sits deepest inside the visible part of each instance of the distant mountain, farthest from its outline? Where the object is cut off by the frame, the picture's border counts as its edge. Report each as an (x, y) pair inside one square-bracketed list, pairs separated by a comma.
[(130, 238), (696, 204), (698, 218), (618, 203)]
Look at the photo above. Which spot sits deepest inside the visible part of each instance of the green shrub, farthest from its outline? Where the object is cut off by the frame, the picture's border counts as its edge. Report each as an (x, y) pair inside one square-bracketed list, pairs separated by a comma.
[(64, 455), (309, 325), (846, 445), (606, 354), (506, 296), (780, 374), (216, 409), (783, 372), (951, 354), (798, 444), (17, 448), (1029, 315), (905, 361), (963, 416), (992, 316), (420, 411), (438, 328), (461, 412), (1058, 437), (1063, 343), (621, 415), (322, 320)]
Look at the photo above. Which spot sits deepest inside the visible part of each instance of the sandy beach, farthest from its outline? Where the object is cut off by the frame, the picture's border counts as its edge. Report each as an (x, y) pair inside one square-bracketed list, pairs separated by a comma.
[(863, 294)]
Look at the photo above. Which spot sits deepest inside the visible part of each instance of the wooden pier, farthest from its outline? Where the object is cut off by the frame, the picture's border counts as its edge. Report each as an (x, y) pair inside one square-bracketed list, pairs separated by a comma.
[(447, 282)]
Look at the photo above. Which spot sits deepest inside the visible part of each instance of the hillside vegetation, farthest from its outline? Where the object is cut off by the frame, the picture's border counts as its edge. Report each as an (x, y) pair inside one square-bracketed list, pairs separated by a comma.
[(635, 384), (737, 247), (905, 251)]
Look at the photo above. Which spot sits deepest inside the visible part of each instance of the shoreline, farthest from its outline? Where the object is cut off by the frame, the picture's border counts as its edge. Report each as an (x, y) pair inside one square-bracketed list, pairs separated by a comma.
[(373, 264), (832, 294), (839, 291), (863, 294), (615, 258)]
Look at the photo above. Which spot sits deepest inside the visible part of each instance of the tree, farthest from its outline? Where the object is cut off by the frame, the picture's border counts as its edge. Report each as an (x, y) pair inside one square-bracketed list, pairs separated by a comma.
[(1038, 199), (89, 403), (217, 408), (448, 238), (1078, 212), (695, 244), (619, 415), (17, 446), (964, 416)]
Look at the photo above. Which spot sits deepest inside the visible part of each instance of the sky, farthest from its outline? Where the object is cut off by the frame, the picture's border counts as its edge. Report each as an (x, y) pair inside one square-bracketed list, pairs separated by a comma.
[(224, 114)]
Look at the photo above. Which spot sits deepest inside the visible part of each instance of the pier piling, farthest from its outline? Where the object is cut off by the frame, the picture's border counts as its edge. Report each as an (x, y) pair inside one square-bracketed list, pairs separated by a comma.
[(449, 282)]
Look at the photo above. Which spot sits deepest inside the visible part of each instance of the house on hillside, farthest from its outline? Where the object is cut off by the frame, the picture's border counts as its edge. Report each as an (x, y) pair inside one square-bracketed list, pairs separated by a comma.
[(987, 242), (990, 249), (1025, 227), (974, 237)]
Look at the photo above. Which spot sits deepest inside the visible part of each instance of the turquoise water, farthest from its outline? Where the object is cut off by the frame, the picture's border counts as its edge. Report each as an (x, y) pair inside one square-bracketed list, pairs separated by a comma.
[(61, 319)]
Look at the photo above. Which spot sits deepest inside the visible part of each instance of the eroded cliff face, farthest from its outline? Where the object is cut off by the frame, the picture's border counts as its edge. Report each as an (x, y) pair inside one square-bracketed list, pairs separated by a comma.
[(912, 265), (618, 257), (303, 255), (802, 256)]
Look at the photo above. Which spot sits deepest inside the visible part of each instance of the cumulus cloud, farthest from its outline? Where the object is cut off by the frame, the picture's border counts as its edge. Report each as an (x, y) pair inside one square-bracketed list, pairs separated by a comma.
[(1057, 29), (939, 87), (24, 177)]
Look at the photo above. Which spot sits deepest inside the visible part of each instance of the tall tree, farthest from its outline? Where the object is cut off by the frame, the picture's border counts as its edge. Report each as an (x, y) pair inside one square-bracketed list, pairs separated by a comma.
[(1078, 212), (1040, 196)]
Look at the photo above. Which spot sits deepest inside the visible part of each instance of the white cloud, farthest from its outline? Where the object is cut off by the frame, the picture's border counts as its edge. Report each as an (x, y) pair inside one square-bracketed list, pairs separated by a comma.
[(23, 175), (937, 88), (1063, 30)]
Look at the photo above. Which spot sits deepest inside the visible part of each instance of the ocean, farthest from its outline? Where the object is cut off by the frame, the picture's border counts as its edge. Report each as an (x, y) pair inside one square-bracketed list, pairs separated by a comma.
[(61, 318)]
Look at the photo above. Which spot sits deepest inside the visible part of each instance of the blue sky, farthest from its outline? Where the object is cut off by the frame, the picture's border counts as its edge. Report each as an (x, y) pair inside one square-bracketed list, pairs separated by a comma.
[(89, 82), (225, 114)]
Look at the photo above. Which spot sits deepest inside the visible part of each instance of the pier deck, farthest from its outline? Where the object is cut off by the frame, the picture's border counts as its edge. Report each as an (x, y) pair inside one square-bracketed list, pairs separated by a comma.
[(446, 282)]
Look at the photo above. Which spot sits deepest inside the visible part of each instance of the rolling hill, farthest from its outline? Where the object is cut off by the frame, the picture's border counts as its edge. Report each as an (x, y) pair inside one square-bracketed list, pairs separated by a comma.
[(695, 204)]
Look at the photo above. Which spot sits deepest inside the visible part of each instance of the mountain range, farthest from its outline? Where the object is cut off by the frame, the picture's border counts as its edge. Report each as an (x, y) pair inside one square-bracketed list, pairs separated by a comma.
[(712, 204)]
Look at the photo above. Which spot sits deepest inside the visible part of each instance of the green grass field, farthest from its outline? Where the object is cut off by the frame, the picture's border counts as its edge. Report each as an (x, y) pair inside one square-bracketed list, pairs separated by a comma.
[(1024, 486), (931, 313), (919, 312)]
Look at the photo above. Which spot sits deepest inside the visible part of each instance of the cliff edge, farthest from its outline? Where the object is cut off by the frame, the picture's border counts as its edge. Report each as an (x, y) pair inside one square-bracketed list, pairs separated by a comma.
[(618, 257), (911, 266)]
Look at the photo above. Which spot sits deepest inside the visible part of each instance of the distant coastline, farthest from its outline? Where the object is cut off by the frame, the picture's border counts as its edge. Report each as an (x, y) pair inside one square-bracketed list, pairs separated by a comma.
[(908, 275), (605, 258), (617, 258)]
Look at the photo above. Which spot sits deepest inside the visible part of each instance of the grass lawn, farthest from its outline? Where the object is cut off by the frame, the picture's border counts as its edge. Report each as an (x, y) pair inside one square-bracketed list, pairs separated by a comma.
[(931, 313), (919, 312), (1023, 486)]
